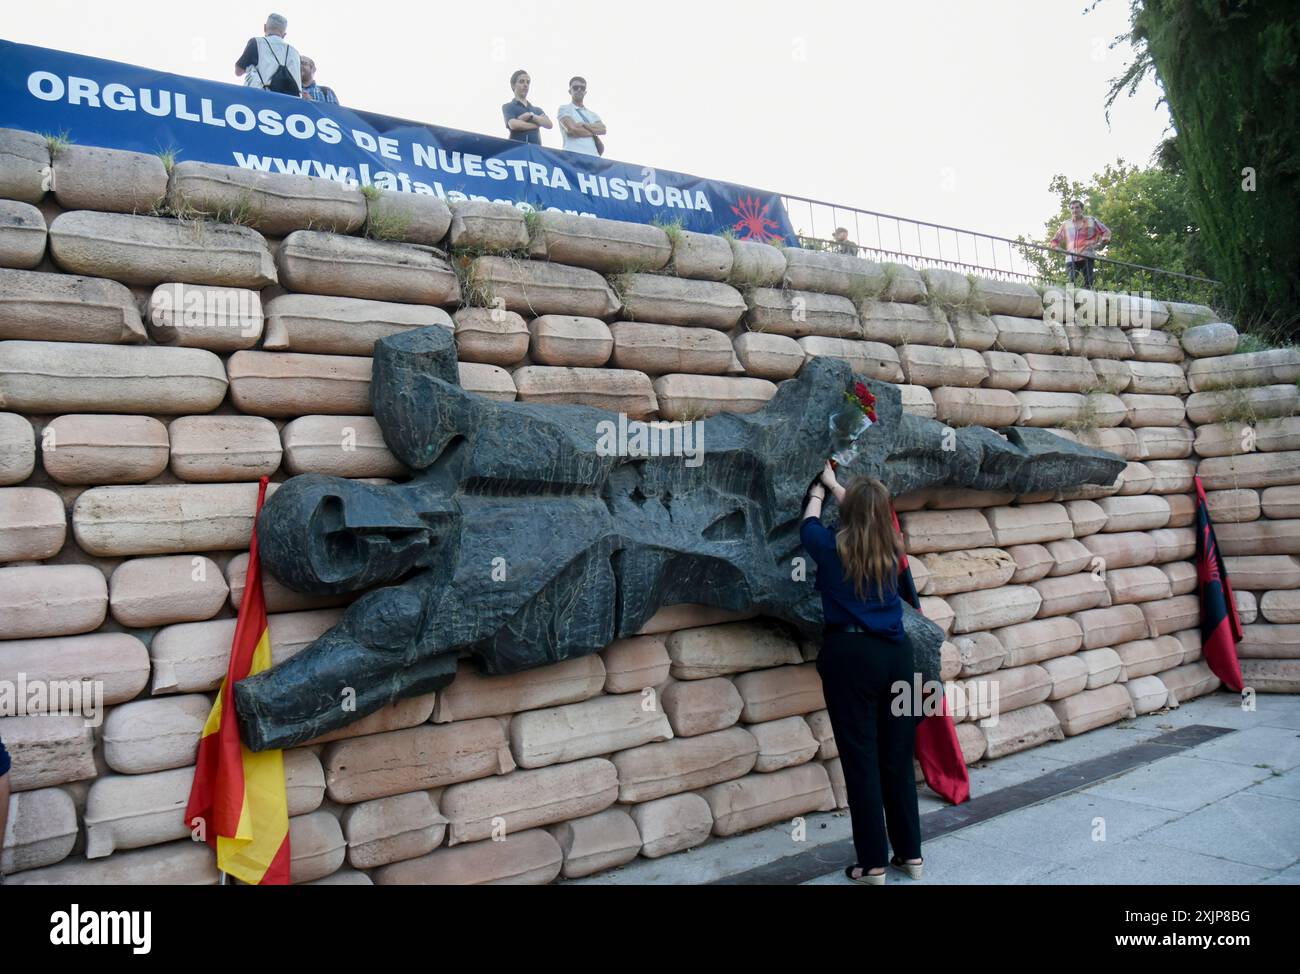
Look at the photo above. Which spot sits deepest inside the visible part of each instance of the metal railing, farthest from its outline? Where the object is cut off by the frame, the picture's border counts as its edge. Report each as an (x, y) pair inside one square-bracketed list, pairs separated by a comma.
[(921, 244)]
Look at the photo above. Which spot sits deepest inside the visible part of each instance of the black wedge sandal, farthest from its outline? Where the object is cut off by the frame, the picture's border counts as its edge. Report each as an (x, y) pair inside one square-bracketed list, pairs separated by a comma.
[(866, 879), (913, 869)]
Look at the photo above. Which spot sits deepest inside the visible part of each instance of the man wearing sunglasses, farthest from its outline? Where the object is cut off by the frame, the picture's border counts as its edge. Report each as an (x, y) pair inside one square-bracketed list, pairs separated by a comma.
[(581, 126)]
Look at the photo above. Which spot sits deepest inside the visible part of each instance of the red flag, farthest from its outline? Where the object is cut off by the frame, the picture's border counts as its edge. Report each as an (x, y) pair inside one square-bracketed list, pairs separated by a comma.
[(238, 800), (937, 749), (1220, 625)]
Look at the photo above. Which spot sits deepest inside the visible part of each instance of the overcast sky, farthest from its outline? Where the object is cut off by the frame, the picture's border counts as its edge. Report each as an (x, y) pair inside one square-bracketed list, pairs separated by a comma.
[(951, 111)]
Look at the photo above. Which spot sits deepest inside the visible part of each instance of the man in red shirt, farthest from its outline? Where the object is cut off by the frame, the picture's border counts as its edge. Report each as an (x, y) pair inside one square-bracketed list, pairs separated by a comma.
[(1080, 236)]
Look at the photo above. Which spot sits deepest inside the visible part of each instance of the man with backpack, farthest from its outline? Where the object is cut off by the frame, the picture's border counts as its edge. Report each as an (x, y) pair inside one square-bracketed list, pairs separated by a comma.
[(271, 62)]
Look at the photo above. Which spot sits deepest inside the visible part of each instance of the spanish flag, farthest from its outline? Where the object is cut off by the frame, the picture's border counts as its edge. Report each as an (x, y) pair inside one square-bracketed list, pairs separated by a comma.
[(238, 802)]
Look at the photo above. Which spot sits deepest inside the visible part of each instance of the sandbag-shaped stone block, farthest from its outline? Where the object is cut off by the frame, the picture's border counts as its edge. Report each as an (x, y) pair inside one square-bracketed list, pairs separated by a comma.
[(1273, 366), (704, 652), (1126, 549), (1157, 379), (1069, 676), (1065, 594), (1059, 373), (22, 235), (673, 301), (223, 448), (1247, 607), (783, 743), (695, 707), (48, 750), (414, 759), (1069, 555), (901, 324), (1182, 577), (524, 799), (1112, 376), (153, 250), (1144, 512), (1038, 640), (1282, 433), (24, 165), (1173, 544), (398, 715), (220, 319), (274, 203), (1271, 675), (488, 381), (1192, 680), (473, 695), (534, 288), (1148, 694), (133, 811), (327, 263), (148, 592), (298, 384), (977, 653), (1144, 657), (490, 335), (783, 691), (1260, 573), (529, 858), (392, 829), (602, 725), (968, 571), (1210, 339), (1052, 409), (762, 799), (332, 325), (970, 329), (486, 227), (1164, 442), (42, 830), (994, 608), (593, 843), (1280, 607), (1170, 476), (1269, 641), (671, 824), (341, 446), (192, 657), (610, 245), (51, 600), (768, 356), (820, 726), (1104, 666), (1240, 405), (154, 734), (58, 377), (917, 401), (1121, 441), (852, 277), (1111, 625), (183, 863), (1020, 729), (87, 177), (655, 770), (927, 365), (875, 360), (658, 349), (1098, 341), (1023, 335), (33, 524), (797, 314), (316, 846), (1008, 297), (635, 664), (1148, 410), (970, 738), (1155, 346), (96, 449), (619, 390), (977, 407), (1028, 524), (702, 256), (1093, 708), (17, 449), (939, 612), (115, 664), (1251, 471), (1141, 584), (1086, 517), (928, 531), (409, 217), (1280, 501), (1008, 689), (755, 264), (164, 518), (1006, 370), (572, 340)]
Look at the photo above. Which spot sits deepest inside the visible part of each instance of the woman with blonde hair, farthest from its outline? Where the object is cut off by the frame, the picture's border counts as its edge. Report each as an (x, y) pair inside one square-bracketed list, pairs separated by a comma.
[(864, 653)]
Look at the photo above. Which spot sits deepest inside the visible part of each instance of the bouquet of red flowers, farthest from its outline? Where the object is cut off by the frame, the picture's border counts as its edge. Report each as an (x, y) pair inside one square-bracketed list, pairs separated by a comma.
[(850, 421), (862, 398)]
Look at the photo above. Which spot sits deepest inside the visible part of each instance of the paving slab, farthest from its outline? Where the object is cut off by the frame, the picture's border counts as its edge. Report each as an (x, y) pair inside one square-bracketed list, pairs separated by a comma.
[(1252, 829), (1181, 783)]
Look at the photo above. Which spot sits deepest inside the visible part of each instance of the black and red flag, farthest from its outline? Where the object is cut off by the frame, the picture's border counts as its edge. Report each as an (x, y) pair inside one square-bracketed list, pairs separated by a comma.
[(937, 749), (1220, 625)]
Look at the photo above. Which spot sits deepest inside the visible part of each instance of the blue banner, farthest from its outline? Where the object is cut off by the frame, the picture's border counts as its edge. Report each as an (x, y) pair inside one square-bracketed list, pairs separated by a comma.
[(121, 106)]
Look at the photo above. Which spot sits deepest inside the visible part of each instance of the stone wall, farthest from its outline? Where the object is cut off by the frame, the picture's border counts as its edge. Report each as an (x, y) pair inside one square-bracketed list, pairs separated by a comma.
[(168, 337)]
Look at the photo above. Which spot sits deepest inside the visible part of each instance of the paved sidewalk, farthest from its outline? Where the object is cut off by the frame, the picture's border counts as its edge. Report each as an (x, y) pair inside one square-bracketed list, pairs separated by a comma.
[(1223, 807)]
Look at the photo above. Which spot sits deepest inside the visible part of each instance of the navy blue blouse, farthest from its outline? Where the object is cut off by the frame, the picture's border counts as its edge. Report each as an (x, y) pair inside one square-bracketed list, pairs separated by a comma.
[(881, 615)]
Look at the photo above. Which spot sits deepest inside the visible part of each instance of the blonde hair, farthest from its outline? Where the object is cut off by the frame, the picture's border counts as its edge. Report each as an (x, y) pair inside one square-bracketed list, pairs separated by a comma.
[(868, 546)]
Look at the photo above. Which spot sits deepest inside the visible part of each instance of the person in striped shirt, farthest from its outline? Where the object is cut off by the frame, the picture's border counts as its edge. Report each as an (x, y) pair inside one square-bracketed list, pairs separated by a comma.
[(1080, 236)]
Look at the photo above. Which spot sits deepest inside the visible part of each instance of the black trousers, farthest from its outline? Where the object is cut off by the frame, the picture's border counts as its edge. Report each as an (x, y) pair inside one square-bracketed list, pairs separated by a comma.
[(1086, 265), (875, 745)]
